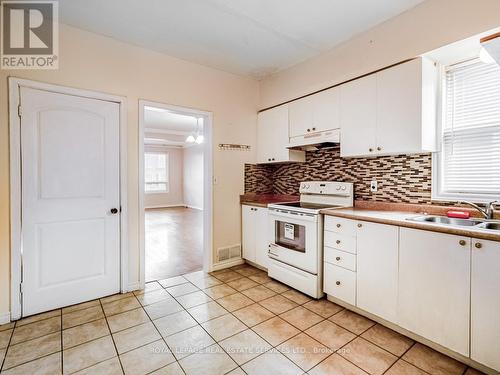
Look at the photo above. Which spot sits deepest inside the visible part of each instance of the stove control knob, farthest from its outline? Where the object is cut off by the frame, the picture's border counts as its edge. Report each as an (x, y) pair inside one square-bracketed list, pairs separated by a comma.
[(338, 187), (343, 187)]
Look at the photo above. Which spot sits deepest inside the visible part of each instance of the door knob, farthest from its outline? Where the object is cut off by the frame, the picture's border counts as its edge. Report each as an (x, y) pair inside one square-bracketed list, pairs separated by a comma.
[(114, 211)]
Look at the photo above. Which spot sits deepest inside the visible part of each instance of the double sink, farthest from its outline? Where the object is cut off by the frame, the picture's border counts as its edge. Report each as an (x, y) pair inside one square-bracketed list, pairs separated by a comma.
[(493, 225)]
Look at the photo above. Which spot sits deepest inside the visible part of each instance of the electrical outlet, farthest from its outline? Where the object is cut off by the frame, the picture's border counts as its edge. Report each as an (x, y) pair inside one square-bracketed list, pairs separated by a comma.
[(374, 186)]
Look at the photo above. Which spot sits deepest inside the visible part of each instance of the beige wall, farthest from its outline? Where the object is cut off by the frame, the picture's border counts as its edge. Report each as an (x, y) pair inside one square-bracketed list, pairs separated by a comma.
[(430, 25), (98, 63)]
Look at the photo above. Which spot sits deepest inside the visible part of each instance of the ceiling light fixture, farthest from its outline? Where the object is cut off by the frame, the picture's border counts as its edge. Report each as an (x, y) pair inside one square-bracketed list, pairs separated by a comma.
[(196, 137)]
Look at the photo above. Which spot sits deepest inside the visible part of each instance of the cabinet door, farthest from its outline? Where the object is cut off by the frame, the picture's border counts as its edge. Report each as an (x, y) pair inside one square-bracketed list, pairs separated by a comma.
[(485, 304), (261, 236), (399, 108), (358, 114), (272, 135), (377, 269), (326, 110), (248, 230), (301, 116), (434, 287)]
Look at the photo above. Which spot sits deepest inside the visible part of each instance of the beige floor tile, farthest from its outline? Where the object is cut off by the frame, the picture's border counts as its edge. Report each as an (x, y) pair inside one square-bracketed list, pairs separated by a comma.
[(173, 323), (223, 327), (88, 354), (197, 275), (82, 316), (209, 361), (48, 365), (260, 278), (38, 317), (228, 276), (5, 337), (135, 337), (296, 296), (116, 297), (32, 349), (301, 318), (245, 346), (206, 282), (336, 365), (121, 305), (275, 330), (182, 289), (188, 342), (207, 311), (153, 296), (81, 306), (193, 299), (367, 356), (304, 351), (323, 307), (404, 368), (236, 371), (147, 358), (6, 326), (171, 369), (108, 367), (242, 284), (172, 281), (127, 319), (220, 291), (472, 371), (163, 308), (388, 339), (272, 362), (330, 334), (352, 321), (234, 301), (278, 304), (84, 333), (432, 361), (258, 293), (2, 354), (276, 286), (253, 314), (148, 287), (248, 271)]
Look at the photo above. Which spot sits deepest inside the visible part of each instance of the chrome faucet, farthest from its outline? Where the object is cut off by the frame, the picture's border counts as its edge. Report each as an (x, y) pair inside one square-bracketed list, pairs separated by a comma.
[(487, 212)]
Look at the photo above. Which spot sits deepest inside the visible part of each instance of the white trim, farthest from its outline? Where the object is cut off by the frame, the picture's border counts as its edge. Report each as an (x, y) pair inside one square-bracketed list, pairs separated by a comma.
[(231, 263), (15, 180), (194, 207), (4, 318), (207, 183), (165, 206)]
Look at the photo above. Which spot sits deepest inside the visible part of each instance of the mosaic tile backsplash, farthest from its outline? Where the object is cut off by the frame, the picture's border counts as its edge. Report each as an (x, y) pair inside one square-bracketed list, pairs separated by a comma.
[(401, 178)]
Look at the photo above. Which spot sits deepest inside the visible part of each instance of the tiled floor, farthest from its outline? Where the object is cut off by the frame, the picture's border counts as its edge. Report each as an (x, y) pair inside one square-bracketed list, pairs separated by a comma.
[(174, 241), (233, 321)]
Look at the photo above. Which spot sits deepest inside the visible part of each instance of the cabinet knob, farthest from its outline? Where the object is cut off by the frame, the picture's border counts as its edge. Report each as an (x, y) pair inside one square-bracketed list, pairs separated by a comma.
[(370, 149), (314, 129), (337, 242), (337, 259), (462, 242), (478, 245), (337, 282), (338, 225), (360, 225), (272, 159), (308, 130), (269, 159), (379, 148)]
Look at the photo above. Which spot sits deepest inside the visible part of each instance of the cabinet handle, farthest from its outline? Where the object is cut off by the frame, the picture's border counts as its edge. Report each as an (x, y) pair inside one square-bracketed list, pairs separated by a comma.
[(360, 225), (337, 282), (370, 149), (338, 225), (337, 242), (379, 148), (337, 259), (462, 242), (478, 245)]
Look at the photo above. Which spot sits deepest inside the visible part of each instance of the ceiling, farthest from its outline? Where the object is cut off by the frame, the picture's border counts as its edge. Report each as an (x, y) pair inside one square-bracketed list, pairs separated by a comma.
[(246, 37)]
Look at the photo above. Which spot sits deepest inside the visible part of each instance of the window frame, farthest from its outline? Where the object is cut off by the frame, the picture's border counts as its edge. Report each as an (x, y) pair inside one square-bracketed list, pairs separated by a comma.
[(167, 166), (437, 193)]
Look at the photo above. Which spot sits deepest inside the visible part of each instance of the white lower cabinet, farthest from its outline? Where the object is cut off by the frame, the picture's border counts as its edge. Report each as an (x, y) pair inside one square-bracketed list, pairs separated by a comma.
[(434, 287), (254, 240), (485, 303), (340, 283)]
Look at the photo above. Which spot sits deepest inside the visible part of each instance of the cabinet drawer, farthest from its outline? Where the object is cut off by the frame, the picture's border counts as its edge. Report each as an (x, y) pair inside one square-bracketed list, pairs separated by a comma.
[(340, 283), (340, 258), (340, 225), (340, 242)]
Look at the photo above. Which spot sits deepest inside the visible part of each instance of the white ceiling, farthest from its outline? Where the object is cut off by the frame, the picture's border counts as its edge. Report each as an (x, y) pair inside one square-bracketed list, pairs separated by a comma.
[(247, 37)]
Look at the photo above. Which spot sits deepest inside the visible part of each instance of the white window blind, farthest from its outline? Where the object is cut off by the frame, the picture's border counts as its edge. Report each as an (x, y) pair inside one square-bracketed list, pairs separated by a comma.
[(156, 172), (470, 154)]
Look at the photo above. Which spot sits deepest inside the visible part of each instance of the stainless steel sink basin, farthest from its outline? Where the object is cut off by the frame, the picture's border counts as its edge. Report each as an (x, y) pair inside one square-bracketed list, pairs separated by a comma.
[(490, 225), (446, 220)]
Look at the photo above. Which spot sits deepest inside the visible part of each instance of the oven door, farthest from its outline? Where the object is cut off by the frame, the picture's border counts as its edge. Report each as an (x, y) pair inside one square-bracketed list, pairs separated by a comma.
[(294, 239)]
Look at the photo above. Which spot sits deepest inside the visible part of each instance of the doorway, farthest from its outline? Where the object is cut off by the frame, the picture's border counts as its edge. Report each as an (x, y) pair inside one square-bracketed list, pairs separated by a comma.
[(175, 190)]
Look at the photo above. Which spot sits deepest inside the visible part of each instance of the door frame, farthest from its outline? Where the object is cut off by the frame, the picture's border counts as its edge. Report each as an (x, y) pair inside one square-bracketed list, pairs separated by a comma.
[(207, 184), (15, 85)]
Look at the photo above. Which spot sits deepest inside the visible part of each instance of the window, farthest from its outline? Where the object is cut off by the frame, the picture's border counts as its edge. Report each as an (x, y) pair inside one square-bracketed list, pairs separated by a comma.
[(468, 164), (156, 172)]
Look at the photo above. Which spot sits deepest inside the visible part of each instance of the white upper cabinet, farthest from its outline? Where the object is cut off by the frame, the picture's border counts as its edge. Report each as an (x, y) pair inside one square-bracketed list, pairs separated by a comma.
[(273, 139), (315, 113), (390, 112)]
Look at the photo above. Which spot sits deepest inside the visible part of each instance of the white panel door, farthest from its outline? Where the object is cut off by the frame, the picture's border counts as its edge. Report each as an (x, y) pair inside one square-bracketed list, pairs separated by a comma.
[(261, 236), (70, 183), (434, 287), (485, 304), (377, 269), (248, 227)]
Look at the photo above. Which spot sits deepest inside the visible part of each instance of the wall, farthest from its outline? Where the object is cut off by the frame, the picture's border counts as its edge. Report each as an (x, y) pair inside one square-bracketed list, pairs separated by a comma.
[(175, 195), (193, 176), (432, 24), (94, 62)]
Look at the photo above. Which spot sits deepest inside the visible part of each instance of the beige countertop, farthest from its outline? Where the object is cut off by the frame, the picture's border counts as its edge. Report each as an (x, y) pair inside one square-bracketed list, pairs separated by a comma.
[(399, 218), (262, 200)]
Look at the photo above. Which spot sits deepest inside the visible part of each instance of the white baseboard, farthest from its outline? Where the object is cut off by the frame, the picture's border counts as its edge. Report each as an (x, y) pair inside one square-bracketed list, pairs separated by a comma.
[(194, 207), (133, 286), (231, 263), (165, 206), (5, 317)]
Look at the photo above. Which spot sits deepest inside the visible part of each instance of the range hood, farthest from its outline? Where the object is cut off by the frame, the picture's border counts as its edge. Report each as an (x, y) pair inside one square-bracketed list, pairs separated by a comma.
[(315, 141), (492, 45)]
